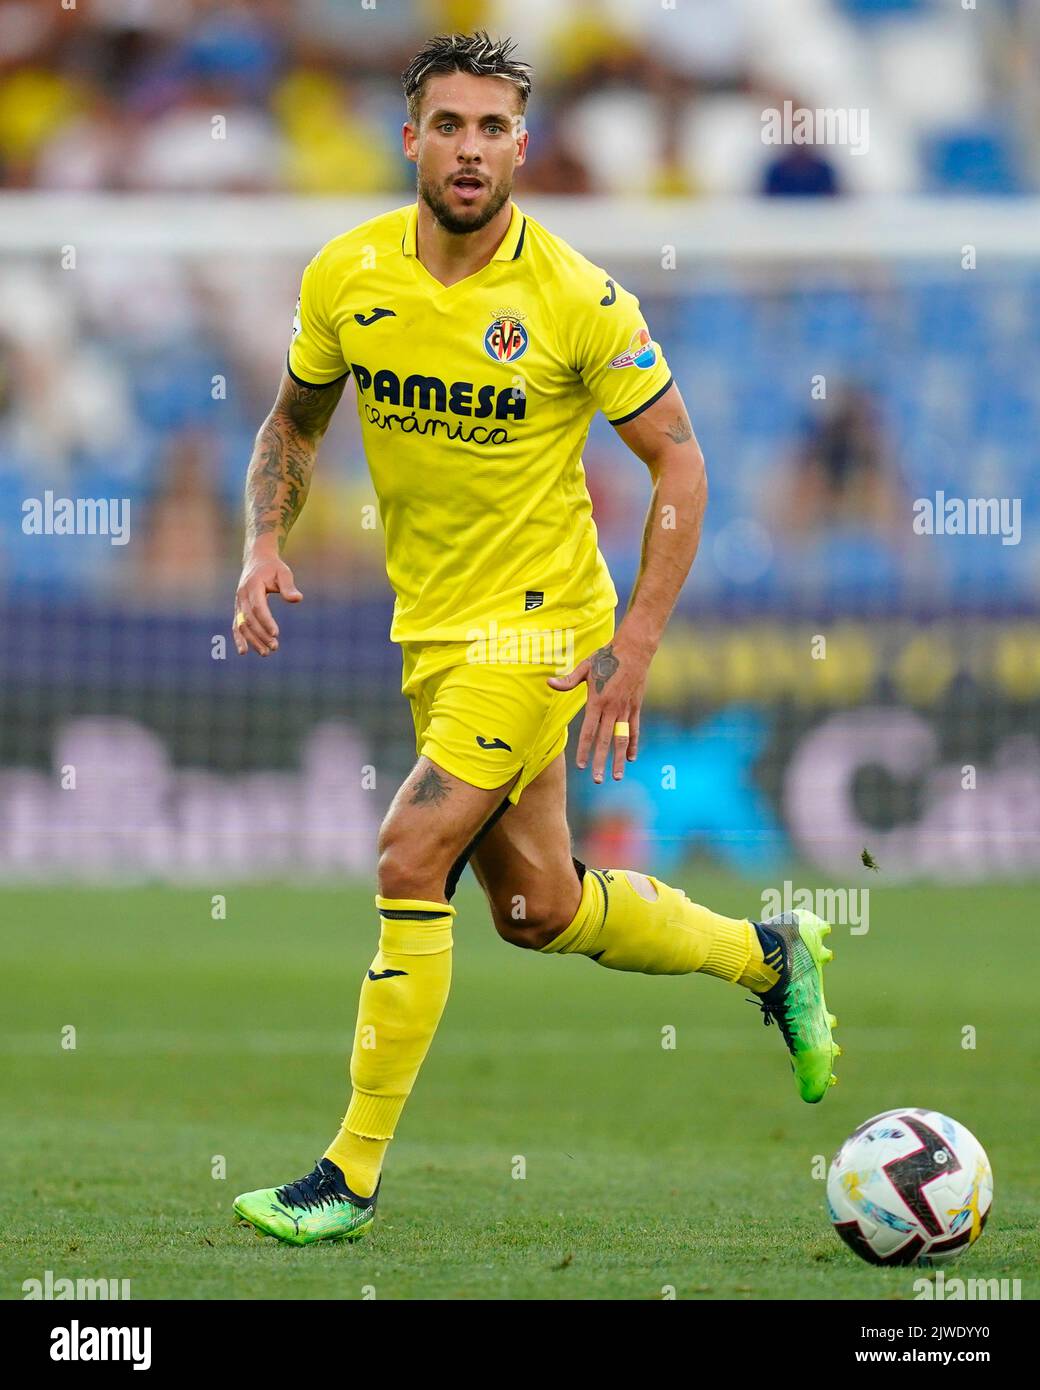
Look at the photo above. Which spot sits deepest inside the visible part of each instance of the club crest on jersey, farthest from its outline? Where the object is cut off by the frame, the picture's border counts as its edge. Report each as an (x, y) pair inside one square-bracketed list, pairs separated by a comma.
[(506, 339), (642, 352)]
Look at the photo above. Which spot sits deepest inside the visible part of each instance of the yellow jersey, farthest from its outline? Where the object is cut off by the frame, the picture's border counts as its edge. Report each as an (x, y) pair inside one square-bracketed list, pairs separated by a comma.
[(475, 402)]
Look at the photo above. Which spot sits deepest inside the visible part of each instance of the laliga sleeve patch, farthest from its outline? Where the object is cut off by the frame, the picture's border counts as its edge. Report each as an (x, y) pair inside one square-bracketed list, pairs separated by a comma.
[(641, 352)]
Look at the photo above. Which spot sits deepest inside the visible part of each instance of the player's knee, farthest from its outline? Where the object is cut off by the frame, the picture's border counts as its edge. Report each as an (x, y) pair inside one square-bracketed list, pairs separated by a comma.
[(409, 870), (530, 926)]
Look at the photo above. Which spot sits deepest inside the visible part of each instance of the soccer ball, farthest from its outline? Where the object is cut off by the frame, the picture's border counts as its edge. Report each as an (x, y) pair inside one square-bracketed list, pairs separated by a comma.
[(910, 1187)]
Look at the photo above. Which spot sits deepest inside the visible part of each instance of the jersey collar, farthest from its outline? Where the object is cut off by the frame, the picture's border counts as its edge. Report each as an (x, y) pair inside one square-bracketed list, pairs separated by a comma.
[(509, 250)]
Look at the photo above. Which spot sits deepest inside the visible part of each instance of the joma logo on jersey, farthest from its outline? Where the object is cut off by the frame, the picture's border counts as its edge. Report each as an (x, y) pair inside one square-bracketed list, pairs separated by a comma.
[(431, 393), (506, 340)]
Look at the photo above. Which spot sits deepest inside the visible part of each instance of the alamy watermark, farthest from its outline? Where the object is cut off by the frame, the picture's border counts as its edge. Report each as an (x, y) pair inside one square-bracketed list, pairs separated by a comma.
[(61, 1287), (842, 907), (506, 646), (969, 516), (989, 1290), (77, 516), (804, 125), (79, 1342)]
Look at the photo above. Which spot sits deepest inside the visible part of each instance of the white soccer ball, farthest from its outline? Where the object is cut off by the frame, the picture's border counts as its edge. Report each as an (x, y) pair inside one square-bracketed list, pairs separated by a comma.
[(910, 1187)]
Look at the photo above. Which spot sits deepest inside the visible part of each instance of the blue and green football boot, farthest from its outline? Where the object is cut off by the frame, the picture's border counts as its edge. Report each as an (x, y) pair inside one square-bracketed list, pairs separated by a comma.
[(793, 945), (318, 1207)]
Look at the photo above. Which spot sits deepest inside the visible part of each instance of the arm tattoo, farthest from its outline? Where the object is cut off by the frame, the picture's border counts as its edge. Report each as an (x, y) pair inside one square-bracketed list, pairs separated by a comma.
[(681, 431), (431, 789), (604, 664), (284, 456)]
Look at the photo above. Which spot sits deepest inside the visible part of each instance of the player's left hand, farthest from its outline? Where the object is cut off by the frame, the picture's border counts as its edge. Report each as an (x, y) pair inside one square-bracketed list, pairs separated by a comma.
[(616, 677)]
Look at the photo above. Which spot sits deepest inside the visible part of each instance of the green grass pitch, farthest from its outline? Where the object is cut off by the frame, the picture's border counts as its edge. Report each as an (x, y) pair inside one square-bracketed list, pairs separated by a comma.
[(648, 1168)]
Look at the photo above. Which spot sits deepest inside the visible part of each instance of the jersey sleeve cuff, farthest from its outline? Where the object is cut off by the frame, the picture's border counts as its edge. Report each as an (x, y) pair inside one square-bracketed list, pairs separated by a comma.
[(313, 385), (624, 419)]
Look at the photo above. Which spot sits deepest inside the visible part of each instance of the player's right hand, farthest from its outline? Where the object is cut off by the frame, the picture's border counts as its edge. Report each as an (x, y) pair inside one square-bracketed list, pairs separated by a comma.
[(253, 624)]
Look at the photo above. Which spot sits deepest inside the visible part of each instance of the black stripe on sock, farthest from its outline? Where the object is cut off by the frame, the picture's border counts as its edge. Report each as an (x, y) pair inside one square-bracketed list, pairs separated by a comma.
[(412, 914), (606, 895), (770, 943)]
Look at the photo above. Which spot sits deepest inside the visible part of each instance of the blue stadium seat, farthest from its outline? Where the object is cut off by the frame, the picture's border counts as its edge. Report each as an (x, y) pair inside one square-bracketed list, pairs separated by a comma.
[(837, 322), (879, 9), (972, 161), (173, 389), (723, 321), (947, 316)]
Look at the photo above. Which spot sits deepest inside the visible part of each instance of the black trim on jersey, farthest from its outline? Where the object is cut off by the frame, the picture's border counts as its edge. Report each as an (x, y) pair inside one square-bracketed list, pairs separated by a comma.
[(520, 243), (313, 385), (516, 253), (645, 406)]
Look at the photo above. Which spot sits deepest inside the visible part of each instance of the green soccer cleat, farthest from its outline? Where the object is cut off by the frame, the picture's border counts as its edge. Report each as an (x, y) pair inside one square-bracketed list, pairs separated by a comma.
[(796, 1003), (318, 1207)]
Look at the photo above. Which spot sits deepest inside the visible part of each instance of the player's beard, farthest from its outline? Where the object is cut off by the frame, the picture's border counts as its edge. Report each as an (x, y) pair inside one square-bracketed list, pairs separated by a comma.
[(473, 221)]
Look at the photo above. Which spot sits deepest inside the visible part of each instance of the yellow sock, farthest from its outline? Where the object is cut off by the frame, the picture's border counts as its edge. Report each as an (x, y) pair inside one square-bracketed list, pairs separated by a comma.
[(360, 1159), (632, 921), (402, 999)]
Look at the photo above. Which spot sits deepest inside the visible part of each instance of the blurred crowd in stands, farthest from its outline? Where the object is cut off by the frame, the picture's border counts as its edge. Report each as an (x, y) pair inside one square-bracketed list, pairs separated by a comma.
[(826, 403), (147, 377), (637, 96)]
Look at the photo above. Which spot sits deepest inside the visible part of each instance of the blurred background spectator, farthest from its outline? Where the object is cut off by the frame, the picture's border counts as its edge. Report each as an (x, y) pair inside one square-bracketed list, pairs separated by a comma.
[(841, 475), (800, 171), (123, 94)]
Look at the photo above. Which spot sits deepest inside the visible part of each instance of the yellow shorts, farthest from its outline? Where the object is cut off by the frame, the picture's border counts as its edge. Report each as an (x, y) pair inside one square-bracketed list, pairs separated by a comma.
[(482, 716)]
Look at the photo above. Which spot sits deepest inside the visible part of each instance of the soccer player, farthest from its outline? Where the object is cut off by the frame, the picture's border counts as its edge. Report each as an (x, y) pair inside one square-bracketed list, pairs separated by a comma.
[(480, 346)]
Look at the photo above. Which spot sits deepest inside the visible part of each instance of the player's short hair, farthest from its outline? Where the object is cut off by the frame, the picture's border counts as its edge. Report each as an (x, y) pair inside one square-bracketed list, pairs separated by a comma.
[(476, 53)]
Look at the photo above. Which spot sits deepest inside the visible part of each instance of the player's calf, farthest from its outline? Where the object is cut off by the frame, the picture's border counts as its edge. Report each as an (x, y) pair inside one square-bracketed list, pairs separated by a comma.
[(529, 925), (632, 921)]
